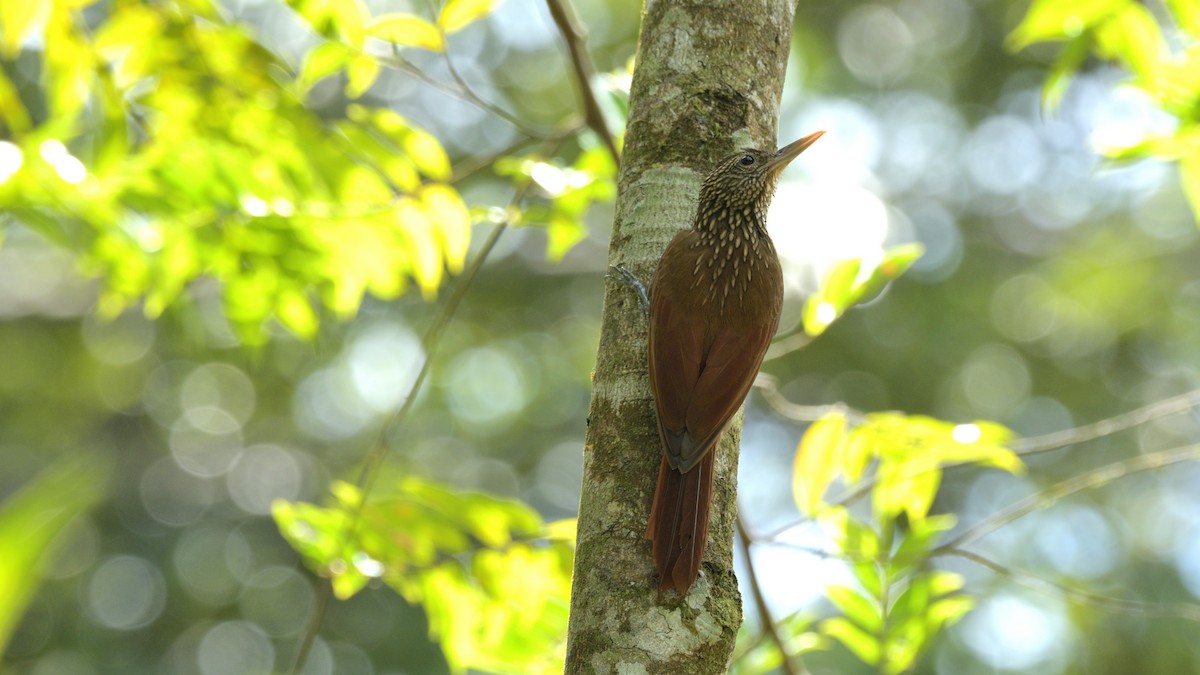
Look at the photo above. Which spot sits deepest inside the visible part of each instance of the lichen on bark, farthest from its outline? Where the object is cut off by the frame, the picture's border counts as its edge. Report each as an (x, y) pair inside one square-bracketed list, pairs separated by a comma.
[(708, 80)]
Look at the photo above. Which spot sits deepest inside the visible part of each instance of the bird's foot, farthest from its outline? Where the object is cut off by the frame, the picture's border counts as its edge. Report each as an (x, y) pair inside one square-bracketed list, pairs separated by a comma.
[(623, 276)]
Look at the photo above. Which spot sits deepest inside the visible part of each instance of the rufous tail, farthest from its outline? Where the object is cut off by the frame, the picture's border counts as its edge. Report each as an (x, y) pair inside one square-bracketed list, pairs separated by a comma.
[(678, 527)]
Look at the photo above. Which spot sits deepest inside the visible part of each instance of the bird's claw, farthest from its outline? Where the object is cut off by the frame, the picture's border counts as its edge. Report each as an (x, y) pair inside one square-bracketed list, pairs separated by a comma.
[(623, 276)]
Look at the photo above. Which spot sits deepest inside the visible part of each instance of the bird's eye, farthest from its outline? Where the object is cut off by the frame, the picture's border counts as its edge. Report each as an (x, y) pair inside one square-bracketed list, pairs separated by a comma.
[(747, 160)]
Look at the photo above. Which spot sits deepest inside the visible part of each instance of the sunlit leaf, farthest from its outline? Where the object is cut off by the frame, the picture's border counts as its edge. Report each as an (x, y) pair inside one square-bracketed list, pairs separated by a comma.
[(320, 62), (295, 312), (17, 20), (425, 256), (857, 453), (406, 30), (562, 233), (816, 462), (855, 538), (896, 261), (1064, 68), (1060, 19), (453, 222), (31, 520), (456, 14), (428, 154), (361, 73), (1133, 37), (863, 645), (862, 611), (1186, 14)]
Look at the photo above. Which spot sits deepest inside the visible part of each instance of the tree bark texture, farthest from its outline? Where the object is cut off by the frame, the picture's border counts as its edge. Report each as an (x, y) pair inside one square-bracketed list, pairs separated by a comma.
[(708, 81)]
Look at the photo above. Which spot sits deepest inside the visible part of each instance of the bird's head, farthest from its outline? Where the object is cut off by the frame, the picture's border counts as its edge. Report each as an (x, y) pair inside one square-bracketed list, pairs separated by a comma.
[(747, 177)]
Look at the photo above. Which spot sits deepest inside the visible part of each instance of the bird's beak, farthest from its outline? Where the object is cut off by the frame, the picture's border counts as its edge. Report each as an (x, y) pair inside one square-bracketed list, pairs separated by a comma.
[(787, 153)]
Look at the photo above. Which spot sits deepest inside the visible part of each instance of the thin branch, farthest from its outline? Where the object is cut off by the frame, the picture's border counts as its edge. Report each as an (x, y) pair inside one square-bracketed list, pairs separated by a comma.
[(461, 91), (768, 387), (787, 344), (1091, 479), (792, 665), (1136, 608), (1107, 427), (584, 71)]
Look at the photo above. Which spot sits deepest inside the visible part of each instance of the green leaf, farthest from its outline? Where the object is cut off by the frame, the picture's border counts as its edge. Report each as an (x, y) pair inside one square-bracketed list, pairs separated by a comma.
[(1060, 20), (1064, 68), (816, 460), (896, 261), (17, 21), (563, 233), (296, 313), (407, 30), (1133, 37), (856, 539), (456, 14), (428, 154), (859, 642), (320, 62), (361, 73), (446, 209), (857, 453), (862, 611), (1186, 14), (31, 520)]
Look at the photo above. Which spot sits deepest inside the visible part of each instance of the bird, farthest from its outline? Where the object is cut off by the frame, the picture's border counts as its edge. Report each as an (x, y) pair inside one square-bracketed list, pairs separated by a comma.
[(715, 300)]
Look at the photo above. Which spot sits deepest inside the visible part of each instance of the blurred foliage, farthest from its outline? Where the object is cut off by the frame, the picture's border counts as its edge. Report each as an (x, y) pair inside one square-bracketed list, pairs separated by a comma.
[(207, 163), (1166, 71), (569, 191), (854, 281), (493, 578), (30, 522)]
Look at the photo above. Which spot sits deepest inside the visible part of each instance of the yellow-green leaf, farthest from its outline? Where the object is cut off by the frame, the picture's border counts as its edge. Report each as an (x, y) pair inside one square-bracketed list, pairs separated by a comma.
[(458, 13), (862, 611), (858, 641), (423, 252), (817, 460), (1133, 37), (1060, 20), (320, 62), (17, 19), (360, 75), (1187, 14), (407, 30), (427, 153), (452, 222), (296, 314)]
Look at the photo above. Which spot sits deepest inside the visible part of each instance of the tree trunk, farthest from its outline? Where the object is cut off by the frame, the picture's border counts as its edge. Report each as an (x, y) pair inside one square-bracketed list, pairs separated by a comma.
[(708, 81)]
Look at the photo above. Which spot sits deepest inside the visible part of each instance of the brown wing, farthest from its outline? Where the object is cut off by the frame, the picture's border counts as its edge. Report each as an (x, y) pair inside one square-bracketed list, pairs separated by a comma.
[(700, 370)]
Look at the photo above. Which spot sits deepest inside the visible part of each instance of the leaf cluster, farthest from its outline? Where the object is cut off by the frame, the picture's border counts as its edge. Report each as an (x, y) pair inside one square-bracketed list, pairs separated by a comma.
[(1163, 62), (492, 577)]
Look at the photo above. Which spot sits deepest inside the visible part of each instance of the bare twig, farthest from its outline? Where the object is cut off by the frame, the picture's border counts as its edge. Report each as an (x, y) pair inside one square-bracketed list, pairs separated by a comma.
[(461, 90), (584, 71), (1107, 427), (768, 387), (1136, 608), (792, 665), (1091, 479), (787, 344)]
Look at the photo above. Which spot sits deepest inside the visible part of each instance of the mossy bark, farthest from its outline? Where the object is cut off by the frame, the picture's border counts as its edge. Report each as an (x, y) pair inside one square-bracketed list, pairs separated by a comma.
[(708, 81)]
